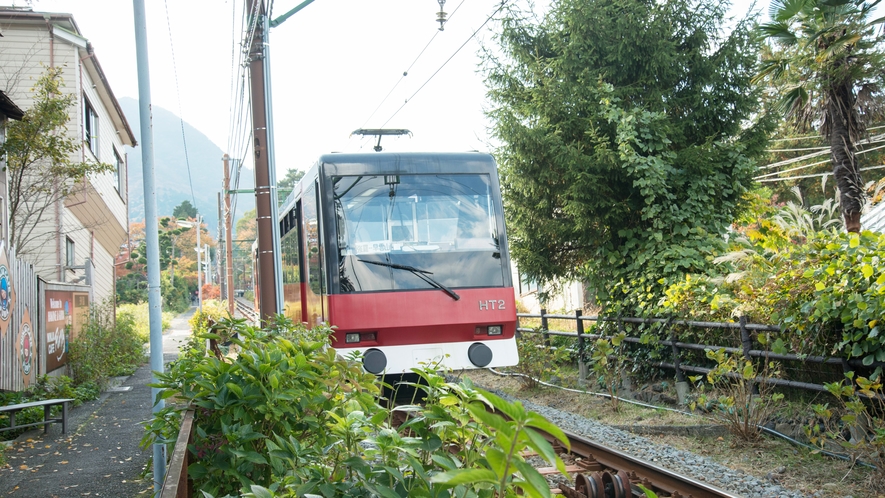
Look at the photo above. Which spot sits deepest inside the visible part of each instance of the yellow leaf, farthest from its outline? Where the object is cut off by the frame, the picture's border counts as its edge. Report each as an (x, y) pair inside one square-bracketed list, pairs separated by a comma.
[(867, 271), (819, 286), (853, 240)]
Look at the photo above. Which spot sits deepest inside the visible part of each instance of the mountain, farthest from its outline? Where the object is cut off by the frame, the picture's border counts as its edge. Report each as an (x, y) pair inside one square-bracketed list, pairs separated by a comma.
[(174, 176)]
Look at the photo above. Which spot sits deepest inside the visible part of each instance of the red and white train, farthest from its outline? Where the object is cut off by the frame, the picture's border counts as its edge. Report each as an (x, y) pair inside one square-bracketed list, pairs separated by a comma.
[(406, 254)]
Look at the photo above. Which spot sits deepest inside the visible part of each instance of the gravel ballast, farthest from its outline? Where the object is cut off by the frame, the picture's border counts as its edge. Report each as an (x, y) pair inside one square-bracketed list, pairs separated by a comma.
[(679, 461)]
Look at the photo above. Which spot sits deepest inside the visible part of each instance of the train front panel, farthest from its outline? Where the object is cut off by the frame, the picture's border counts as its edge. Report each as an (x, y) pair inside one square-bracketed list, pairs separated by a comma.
[(409, 252)]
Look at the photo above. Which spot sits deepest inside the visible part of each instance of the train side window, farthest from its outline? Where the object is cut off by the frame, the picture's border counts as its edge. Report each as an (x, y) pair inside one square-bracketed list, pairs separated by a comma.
[(313, 240)]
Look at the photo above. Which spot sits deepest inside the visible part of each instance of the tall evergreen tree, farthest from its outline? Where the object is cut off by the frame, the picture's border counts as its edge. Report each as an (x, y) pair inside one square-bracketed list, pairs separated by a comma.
[(185, 211), (628, 131)]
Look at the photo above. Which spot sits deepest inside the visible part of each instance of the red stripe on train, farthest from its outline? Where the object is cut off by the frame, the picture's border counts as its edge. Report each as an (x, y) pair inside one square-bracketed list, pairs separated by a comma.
[(425, 316)]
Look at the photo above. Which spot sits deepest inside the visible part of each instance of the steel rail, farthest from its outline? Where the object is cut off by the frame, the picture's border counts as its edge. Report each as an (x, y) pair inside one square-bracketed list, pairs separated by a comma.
[(654, 477)]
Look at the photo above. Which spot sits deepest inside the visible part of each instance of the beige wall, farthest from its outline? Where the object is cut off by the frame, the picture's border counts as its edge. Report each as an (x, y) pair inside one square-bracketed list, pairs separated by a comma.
[(96, 216)]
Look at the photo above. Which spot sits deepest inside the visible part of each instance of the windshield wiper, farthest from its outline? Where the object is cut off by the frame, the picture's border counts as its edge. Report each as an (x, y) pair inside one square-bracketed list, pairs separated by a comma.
[(422, 274)]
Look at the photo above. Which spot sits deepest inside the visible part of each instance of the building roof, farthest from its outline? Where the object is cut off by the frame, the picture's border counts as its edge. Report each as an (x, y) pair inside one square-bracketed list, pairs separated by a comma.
[(874, 218), (8, 107), (64, 26)]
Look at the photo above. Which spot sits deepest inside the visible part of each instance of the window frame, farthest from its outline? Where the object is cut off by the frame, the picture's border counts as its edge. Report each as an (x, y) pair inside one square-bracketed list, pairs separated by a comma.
[(70, 253), (90, 127)]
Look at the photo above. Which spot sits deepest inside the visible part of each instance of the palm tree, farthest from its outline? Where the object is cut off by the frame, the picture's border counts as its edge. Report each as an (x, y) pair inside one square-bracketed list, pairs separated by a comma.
[(825, 59)]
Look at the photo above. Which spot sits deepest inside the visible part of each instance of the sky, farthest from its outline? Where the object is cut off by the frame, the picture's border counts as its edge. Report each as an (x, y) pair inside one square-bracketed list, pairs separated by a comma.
[(336, 66)]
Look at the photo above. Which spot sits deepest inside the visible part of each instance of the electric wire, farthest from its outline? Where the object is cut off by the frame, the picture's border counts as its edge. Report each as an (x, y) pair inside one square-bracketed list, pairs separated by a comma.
[(406, 72), (473, 35), (178, 95), (815, 175)]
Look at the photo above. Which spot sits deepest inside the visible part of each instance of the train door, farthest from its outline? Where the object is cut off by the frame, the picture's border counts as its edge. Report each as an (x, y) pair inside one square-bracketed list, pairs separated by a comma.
[(292, 261), (314, 274)]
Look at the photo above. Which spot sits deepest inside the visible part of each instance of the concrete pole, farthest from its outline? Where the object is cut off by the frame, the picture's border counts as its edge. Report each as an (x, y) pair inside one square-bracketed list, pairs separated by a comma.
[(228, 239), (219, 252), (151, 229)]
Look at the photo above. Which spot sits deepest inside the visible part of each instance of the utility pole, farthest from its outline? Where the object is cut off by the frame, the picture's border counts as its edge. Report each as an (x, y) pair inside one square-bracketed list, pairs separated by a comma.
[(228, 243), (271, 275), (265, 200), (219, 253)]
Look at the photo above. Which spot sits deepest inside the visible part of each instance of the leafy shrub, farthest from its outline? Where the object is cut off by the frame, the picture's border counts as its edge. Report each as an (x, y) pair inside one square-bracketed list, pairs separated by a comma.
[(859, 428), (735, 400), (136, 317), (608, 356), (288, 417), (537, 360), (102, 350)]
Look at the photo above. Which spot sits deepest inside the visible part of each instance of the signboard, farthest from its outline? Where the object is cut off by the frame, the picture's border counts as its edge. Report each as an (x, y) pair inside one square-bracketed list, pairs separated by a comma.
[(65, 312)]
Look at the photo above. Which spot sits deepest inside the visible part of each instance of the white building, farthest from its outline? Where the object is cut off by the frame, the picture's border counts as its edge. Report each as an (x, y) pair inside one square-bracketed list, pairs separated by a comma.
[(91, 224)]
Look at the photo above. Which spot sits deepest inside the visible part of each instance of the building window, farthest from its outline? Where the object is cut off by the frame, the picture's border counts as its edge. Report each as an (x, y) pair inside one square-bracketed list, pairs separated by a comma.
[(118, 172), (90, 127), (527, 284), (69, 252)]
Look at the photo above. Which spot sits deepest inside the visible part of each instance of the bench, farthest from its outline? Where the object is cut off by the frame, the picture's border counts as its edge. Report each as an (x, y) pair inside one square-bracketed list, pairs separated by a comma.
[(47, 405)]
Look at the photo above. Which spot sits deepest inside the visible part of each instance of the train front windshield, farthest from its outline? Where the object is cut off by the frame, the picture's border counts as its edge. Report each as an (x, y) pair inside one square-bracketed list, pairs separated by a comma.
[(395, 231)]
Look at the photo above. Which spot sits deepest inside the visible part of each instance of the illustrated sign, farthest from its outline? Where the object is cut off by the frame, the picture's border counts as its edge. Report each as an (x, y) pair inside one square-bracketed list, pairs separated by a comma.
[(64, 310), (7, 294), (24, 347)]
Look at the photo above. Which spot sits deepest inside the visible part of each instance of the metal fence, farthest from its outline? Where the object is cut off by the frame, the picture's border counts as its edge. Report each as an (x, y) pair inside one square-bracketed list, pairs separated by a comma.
[(676, 348)]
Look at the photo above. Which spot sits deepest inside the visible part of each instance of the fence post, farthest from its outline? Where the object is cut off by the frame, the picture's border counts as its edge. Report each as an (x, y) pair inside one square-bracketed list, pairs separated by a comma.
[(747, 345), (682, 386), (582, 366), (544, 327)]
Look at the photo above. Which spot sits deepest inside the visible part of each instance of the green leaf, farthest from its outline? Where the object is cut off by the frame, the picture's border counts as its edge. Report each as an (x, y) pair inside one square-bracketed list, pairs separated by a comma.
[(235, 389), (465, 476), (260, 491), (534, 483)]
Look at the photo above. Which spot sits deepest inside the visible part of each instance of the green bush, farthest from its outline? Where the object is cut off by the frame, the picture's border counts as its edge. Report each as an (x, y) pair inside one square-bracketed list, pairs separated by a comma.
[(537, 360), (826, 293), (288, 417), (102, 350), (136, 317)]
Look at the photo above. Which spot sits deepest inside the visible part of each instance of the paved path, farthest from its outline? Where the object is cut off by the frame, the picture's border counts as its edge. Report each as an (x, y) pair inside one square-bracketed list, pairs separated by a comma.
[(100, 455)]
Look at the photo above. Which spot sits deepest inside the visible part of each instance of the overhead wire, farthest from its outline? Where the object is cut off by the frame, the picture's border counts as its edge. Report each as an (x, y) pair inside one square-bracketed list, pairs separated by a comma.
[(473, 35), (406, 72), (180, 112)]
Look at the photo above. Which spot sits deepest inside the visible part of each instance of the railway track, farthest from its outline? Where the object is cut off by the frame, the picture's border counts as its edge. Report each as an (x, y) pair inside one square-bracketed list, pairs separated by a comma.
[(246, 309), (602, 472)]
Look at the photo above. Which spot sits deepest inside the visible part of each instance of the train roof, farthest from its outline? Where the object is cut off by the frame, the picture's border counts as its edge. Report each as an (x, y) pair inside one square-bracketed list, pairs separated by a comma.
[(393, 157)]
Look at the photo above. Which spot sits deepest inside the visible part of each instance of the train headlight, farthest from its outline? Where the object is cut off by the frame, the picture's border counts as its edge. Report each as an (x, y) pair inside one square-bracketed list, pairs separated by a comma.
[(352, 337), (495, 330), (479, 354)]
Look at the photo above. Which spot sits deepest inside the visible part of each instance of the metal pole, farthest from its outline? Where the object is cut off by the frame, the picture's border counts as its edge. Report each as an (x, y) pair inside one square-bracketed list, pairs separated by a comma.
[(199, 265), (219, 253), (151, 230), (272, 165)]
